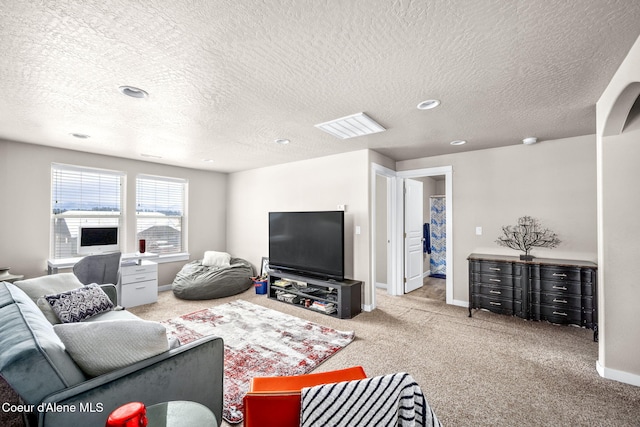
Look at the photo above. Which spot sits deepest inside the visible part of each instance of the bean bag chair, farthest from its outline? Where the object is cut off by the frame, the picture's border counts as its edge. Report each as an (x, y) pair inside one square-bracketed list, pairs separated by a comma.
[(207, 279)]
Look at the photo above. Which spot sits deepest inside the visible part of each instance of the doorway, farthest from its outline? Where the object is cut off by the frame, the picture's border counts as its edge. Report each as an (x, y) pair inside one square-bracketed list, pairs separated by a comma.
[(392, 256)]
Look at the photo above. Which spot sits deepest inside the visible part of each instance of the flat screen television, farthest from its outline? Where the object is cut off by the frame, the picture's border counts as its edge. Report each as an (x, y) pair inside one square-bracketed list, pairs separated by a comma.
[(307, 243), (97, 239)]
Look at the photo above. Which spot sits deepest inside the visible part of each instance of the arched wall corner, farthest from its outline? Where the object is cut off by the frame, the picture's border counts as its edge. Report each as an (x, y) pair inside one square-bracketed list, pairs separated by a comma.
[(619, 112)]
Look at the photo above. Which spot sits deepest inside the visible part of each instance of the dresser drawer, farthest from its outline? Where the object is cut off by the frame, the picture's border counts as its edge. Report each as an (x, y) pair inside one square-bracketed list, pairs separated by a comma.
[(496, 305), (497, 291), (561, 288), (496, 280), (560, 274), (139, 277), (500, 268), (139, 293), (559, 315), (562, 301)]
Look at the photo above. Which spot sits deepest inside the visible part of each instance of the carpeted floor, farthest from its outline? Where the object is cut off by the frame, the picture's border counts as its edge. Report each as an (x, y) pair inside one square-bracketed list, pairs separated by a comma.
[(7, 395), (486, 370)]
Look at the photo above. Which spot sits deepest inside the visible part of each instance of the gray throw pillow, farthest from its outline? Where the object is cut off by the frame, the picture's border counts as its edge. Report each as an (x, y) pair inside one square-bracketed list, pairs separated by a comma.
[(103, 346), (79, 304)]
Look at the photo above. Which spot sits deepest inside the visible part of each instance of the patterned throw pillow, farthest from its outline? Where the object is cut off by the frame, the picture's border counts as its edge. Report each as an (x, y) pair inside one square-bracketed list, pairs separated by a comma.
[(79, 304)]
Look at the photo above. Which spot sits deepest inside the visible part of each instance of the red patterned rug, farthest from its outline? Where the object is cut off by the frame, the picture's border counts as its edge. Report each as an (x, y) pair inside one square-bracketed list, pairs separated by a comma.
[(258, 342)]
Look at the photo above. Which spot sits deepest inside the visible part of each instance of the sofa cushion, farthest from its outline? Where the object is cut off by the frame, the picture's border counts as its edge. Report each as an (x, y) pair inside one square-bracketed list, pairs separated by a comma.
[(114, 314), (38, 287), (32, 357), (79, 304), (101, 347)]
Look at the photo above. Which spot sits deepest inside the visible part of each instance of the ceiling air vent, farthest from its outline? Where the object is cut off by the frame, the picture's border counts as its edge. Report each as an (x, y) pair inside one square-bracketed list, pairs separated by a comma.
[(351, 126)]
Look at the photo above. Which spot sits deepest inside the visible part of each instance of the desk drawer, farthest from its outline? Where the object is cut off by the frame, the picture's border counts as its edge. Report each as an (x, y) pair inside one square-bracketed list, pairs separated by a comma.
[(140, 277), (138, 269), (139, 293)]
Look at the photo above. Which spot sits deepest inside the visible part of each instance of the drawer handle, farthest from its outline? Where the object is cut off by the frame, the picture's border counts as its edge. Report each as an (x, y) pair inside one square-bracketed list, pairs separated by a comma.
[(494, 303), (562, 288), (140, 278), (494, 268), (564, 301), (559, 274), (140, 287), (495, 292), (495, 280), (559, 313)]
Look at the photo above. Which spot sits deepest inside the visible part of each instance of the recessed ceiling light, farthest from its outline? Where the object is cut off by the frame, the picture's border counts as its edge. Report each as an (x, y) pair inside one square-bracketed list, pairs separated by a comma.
[(428, 104), (282, 141), (351, 126), (133, 92), (150, 156), (80, 135), (530, 140), (458, 142)]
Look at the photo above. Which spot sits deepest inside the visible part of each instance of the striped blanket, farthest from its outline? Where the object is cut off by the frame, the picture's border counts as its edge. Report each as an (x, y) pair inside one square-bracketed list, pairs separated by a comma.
[(390, 400)]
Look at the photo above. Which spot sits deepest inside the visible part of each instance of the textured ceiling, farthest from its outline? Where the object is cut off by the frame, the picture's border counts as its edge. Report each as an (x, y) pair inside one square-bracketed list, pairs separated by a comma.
[(228, 77)]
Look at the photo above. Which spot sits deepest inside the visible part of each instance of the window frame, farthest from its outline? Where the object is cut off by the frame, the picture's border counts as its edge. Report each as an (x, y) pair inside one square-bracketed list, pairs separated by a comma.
[(150, 247), (56, 251)]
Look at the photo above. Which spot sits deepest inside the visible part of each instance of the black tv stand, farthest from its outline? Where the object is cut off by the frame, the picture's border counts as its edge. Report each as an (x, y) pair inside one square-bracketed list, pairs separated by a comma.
[(333, 298)]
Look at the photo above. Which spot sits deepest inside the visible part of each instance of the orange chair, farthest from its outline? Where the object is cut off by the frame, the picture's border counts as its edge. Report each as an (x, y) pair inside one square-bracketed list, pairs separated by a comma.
[(275, 401)]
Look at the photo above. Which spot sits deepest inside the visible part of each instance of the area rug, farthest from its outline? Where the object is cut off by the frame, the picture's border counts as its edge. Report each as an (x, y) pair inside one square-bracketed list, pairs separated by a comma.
[(258, 342)]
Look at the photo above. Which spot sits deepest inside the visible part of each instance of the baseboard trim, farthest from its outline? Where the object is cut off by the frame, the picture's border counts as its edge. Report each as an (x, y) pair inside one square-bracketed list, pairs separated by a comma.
[(367, 307), (460, 303), (620, 376), (164, 288)]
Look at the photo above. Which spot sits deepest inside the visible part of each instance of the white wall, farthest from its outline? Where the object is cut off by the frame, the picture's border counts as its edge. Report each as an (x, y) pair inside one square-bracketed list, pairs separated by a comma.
[(554, 181), (316, 184), (25, 186), (618, 225)]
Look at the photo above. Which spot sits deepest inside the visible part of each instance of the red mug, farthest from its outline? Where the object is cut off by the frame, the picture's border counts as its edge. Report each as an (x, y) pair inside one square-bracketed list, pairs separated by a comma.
[(132, 414)]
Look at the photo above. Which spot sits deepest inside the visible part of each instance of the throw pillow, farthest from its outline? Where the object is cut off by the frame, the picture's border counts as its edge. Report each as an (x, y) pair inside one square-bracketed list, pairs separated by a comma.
[(104, 346), (216, 259), (80, 303)]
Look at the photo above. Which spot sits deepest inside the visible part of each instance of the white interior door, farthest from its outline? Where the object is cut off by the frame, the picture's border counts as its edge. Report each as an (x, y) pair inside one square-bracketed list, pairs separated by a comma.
[(413, 222)]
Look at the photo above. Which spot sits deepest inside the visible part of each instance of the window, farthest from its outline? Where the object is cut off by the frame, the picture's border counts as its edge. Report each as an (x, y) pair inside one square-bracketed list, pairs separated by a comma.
[(82, 196), (160, 210)]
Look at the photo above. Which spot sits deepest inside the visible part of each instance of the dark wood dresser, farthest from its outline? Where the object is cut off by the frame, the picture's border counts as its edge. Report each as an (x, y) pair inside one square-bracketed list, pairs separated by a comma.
[(558, 291)]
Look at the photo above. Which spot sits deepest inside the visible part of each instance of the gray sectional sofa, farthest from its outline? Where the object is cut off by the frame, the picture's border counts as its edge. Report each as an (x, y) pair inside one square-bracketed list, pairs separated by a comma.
[(57, 392)]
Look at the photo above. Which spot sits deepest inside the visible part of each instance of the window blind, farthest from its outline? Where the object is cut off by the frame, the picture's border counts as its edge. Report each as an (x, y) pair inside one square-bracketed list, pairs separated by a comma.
[(85, 196), (160, 206)]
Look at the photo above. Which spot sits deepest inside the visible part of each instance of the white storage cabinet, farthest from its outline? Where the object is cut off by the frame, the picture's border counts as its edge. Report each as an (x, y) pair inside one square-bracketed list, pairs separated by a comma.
[(138, 284)]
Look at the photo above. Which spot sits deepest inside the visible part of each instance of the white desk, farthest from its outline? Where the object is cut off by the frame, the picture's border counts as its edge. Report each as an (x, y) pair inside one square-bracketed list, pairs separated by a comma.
[(54, 264)]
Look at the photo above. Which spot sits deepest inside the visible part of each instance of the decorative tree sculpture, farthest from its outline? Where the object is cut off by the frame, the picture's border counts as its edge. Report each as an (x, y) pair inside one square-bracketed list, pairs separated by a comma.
[(528, 234)]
